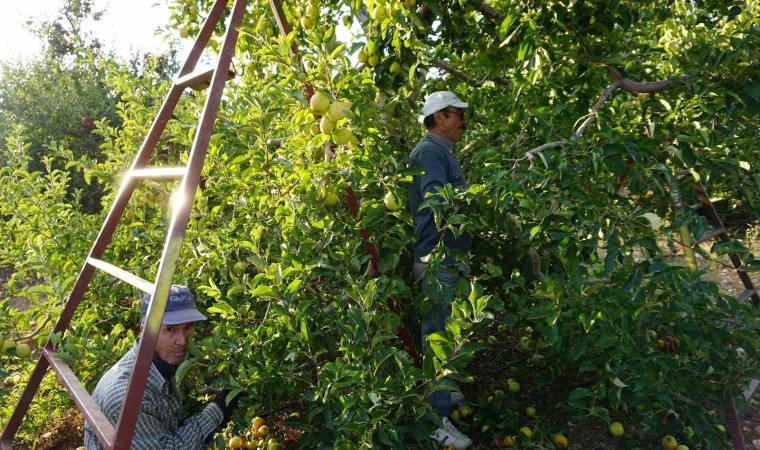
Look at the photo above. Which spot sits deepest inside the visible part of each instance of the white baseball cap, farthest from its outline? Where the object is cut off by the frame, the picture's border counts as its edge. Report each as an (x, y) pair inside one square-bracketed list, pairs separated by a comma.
[(439, 100)]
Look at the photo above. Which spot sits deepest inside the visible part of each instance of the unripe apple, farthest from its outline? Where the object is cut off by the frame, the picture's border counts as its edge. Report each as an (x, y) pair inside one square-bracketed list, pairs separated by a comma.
[(312, 11), (307, 23), (314, 128), (381, 13), (7, 344), (342, 136), (373, 60), (395, 67), (319, 103), (331, 198), (391, 202), (682, 447), (363, 55), (616, 429), (527, 432), (336, 111), (326, 125), (183, 33)]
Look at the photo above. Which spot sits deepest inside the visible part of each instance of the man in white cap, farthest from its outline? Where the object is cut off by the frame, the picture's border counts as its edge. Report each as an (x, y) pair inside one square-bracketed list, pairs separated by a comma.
[(444, 117), (158, 422)]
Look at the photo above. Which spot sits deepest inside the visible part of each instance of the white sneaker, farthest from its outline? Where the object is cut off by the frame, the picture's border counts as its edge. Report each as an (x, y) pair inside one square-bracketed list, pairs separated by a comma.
[(457, 398), (449, 435)]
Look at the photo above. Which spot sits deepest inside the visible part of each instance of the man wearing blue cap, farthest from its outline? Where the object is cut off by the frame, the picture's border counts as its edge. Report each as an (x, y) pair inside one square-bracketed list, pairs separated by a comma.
[(158, 422), (444, 117)]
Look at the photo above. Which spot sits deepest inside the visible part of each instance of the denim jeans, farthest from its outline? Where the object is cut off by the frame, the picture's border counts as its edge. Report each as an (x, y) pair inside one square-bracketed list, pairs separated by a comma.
[(435, 319)]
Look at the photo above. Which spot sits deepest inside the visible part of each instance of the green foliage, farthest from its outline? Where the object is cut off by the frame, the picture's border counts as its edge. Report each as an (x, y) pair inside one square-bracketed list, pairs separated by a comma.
[(574, 245)]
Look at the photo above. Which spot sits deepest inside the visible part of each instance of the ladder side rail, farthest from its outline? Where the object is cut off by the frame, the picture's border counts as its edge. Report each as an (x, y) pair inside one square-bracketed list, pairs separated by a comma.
[(180, 218), (207, 29), (99, 423), (712, 215)]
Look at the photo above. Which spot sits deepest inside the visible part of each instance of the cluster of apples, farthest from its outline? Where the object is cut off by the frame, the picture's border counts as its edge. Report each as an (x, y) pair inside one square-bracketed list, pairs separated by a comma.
[(11, 347), (668, 442), (257, 438)]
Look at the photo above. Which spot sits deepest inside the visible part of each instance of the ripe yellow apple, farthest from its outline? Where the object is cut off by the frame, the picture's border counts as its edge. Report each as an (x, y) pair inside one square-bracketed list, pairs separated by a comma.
[(342, 136), (235, 442), (272, 445), (336, 111), (530, 411), (682, 447), (669, 442), (373, 60), (183, 33), (455, 414), (395, 67), (616, 429), (509, 441), (465, 411), (527, 432), (256, 423), (391, 202), (319, 103), (23, 350), (560, 441), (307, 23), (326, 125), (263, 430), (252, 444), (331, 198)]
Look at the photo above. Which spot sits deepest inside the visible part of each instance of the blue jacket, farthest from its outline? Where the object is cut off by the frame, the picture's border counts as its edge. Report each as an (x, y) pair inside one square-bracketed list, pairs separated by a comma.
[(435, 156)]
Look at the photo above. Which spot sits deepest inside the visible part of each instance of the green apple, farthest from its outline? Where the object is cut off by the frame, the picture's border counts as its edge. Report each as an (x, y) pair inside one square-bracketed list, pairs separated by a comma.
[(319, 103), (616, 429), (373, 60), (23, 350), (342, 136), (391, 202), (336, 111), (326, 125), (395, 67)]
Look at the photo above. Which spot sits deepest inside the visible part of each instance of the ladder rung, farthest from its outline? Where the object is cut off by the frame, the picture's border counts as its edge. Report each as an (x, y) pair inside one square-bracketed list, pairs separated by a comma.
[(746, 294), (712, 234), (91, 412), (122, 274), (201, 79), (159, 173)]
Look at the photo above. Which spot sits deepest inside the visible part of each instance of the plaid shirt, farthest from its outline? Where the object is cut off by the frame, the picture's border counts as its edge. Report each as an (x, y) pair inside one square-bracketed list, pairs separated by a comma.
[(158, 424)]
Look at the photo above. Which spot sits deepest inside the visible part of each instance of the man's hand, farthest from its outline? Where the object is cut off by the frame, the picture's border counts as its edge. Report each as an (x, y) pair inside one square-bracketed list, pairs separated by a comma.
[(227, 408)]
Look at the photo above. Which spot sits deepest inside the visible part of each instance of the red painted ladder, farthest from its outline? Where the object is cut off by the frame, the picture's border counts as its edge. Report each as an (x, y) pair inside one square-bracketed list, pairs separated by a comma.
[(120, 436)]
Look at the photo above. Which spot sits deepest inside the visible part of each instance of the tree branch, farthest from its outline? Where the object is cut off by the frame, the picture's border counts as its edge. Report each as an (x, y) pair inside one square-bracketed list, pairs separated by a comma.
[(464, 77), (618, 81)]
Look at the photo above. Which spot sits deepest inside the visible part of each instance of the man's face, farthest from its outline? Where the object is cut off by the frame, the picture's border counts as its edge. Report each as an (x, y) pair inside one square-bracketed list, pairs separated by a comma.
[(451, 123), (172, 342)]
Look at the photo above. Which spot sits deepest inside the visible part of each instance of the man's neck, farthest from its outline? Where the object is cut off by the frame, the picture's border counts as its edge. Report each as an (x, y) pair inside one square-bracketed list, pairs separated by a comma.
[(167, 370)]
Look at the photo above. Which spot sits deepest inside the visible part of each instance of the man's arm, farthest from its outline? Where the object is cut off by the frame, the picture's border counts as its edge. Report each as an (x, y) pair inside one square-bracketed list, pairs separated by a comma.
[(151, 432), (434, 166)]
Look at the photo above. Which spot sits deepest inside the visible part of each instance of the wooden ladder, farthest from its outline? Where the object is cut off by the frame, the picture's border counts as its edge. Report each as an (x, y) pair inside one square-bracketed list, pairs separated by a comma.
[(119, 437)]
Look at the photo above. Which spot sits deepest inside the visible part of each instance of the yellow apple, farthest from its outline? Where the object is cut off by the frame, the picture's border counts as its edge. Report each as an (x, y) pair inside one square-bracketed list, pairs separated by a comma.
[(373, 60), (395, 67), (307, 23), (669, 442), (616, 429)]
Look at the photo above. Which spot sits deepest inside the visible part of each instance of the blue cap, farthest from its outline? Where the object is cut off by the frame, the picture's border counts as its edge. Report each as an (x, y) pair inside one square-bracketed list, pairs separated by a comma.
[(180, 307)]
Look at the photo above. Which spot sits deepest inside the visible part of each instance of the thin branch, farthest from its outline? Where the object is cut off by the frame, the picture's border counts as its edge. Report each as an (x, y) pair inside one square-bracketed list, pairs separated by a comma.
[(463, 76), (618, 81)]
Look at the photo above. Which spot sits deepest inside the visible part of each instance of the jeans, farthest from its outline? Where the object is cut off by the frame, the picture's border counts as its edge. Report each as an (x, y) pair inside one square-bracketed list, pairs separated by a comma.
[(435, 319)]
